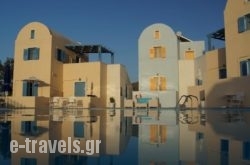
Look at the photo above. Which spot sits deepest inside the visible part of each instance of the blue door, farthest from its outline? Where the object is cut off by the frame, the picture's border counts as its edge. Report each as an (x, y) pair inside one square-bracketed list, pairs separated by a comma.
[(79, 88)]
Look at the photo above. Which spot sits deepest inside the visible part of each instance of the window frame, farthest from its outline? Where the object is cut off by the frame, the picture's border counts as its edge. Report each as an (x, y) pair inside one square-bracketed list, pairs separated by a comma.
[(158, 83), (189, 54), (30, 88), (157, 52), (32, 53), (32, 34), (29, 127), (245, 67), (157, 34), (223, 73), (61, 56), (243, 23)]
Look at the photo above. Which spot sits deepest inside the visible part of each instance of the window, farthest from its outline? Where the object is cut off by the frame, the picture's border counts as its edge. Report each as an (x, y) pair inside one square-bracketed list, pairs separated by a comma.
[(163, 83), (126, 91), (189, 55), (222, 73), (198, 81), (158, 83), (202, 95), (157, 34), (244, 23), (28, 127), (28, 161), (30, 88), (31, 54), (245, 67), (32, 34), (241, 24), (158, 134), (79, 88), (200, 140), (157, 52), (199, 77), (61, 56), (153, 83), (246, 150), (78, 129), (199, 136)]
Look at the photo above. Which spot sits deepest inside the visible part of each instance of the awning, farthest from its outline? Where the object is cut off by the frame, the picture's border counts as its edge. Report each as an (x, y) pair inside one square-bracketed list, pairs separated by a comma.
[(83, 49), (219, 35), (34, 79), (88, 49)]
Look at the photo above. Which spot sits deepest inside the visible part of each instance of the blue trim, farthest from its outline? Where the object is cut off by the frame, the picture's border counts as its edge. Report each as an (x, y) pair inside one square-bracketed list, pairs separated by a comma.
[(143, 100)]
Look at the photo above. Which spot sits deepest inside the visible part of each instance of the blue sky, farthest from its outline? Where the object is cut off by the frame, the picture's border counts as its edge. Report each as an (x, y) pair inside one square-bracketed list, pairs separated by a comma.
[(112, 23)]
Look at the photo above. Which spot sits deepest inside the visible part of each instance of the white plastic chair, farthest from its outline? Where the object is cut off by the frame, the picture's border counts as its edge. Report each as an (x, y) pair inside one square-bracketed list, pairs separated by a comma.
[(55, 102), (238, 99), (72, 101)]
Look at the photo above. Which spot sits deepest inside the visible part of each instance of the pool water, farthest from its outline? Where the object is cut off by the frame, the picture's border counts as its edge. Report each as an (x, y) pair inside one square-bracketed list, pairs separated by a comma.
[(128, 136)]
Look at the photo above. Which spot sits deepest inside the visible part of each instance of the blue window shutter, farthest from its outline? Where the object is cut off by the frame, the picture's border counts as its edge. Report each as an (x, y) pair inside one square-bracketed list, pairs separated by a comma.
[(246, 150), (34, 127), (36, 54), (79, 129), (243, 68), (35, 89), (59, 55), (56, 54), (25, 54), (23, 127), (32, 161), (63, 57), (224, 152), (224, 145), (248, 67), (23, 161), (24, 88), (28, 161), (241, 24), (59, 160)]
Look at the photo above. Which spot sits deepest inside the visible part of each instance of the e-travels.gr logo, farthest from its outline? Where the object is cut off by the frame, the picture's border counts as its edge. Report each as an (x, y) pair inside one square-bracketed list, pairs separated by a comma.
[(51, 146)]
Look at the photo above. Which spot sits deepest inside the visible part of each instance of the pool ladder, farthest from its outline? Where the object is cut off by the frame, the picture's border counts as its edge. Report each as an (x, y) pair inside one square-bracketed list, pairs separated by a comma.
[(186, 99)]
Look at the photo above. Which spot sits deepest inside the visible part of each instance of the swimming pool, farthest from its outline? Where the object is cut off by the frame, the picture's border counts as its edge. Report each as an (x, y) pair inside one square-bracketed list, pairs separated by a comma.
[(130, 136)]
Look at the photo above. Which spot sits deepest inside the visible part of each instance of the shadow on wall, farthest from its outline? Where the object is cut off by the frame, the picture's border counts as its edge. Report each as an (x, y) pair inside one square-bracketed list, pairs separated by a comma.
[(230, 95), (230, 123), (229, 92)]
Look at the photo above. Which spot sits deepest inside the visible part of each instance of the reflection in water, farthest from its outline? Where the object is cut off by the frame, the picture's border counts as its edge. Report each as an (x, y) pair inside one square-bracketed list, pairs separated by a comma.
[(154, 137), (158, 138), (5, 142)]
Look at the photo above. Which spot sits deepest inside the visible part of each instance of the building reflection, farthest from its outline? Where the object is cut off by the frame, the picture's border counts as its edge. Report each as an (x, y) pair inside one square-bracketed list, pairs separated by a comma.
[(224, 139), (162, 136), (25, 124), (5, 142), (158, 136), (113, 129)]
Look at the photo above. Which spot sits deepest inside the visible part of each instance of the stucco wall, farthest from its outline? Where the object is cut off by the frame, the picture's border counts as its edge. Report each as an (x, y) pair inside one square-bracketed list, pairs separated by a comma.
[(237, 44)]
